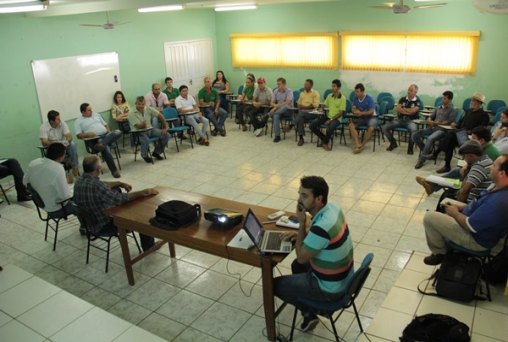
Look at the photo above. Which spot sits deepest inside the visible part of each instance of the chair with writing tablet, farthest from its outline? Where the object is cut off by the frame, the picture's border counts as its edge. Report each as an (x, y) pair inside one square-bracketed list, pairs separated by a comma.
[(171, 116)]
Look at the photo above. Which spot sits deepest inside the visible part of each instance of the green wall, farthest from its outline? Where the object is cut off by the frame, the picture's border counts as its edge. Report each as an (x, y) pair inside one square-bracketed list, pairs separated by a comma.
[(337, 16), (138, 43)]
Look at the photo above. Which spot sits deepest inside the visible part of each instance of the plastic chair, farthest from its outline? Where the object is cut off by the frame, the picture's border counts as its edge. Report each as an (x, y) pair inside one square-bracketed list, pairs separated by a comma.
[(326, 93), (240, 90), (328, 309), (382, 95), (352, 96), (378, 132), (4, 190), (466, 104), (494, 105), (171, 116), (296, 96), (498, 114), (438, 101)]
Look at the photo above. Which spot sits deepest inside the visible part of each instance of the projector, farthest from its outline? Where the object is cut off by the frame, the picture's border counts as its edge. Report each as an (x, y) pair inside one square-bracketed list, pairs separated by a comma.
[(223, 217)]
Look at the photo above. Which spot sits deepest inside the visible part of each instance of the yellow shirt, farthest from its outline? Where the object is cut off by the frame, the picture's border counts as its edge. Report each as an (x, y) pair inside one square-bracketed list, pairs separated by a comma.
[(310, 98)]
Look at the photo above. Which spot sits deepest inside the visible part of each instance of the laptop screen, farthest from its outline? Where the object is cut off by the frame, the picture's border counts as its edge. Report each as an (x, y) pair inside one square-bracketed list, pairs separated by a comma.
[(253, 227)]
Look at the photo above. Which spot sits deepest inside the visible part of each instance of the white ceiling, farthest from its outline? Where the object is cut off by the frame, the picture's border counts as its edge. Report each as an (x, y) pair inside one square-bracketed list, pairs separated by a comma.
[(68, 7)]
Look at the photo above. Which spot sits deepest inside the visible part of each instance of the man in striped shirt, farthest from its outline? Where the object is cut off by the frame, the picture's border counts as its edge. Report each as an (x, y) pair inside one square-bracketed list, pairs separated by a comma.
[(324, 252)]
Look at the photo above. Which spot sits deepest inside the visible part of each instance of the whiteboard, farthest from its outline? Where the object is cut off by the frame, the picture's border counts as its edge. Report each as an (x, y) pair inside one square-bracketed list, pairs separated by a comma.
[(63, 84)]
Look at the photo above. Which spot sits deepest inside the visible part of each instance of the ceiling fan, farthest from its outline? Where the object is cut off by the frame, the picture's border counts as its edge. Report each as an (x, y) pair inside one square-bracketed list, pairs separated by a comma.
[(492, 6), (108, 25), (400, 8)]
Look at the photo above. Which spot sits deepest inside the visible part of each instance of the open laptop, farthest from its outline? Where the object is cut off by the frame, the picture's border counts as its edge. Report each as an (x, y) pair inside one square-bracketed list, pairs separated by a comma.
[(267, 241)]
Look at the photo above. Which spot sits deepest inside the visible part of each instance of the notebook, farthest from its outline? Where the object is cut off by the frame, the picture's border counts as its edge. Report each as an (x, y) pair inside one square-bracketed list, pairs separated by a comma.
[(268, 241)]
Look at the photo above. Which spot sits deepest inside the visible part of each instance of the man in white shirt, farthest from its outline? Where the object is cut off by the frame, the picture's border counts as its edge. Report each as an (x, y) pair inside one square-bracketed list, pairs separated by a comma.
[(186, 105), (91, 125), (56, 131), (47, 177)]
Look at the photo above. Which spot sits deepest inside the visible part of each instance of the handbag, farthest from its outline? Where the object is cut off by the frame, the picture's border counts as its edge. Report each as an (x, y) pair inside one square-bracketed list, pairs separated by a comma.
[(174, 214)]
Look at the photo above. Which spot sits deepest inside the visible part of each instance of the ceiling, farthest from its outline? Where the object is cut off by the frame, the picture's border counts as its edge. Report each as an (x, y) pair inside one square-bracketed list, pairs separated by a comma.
[(68, 7)]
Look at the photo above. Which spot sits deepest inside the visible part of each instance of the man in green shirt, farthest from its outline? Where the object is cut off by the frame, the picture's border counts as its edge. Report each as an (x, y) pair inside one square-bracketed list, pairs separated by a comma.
[(209, 101), (172, 93), (336, 103), (483, 136), (245, 104)]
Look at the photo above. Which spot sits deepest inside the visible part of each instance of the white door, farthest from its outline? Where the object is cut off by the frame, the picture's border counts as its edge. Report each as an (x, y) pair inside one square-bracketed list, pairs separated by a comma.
[(188, 62)]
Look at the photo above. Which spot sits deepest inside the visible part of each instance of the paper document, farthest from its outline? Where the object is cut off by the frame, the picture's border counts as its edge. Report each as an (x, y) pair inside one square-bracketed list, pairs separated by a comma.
[(284, 221), (241, 240), (445, 182), (451, 201)]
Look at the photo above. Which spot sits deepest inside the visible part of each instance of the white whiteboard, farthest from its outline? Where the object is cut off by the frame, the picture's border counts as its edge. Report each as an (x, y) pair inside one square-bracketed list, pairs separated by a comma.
[(63, 84)]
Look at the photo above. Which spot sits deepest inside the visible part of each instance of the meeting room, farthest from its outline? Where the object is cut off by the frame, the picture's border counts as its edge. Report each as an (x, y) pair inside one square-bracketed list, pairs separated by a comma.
[(266, 170)]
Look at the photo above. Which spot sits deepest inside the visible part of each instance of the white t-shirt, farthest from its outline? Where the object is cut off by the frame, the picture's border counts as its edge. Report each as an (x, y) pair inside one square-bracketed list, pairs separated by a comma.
[(54, 133), (185, 104), (47, 177), (94, 123)]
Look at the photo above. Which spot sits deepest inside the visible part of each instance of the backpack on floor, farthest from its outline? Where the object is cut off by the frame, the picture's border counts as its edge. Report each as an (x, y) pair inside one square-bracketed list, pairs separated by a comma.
[(496, 269), (435, 328), (174, 214)]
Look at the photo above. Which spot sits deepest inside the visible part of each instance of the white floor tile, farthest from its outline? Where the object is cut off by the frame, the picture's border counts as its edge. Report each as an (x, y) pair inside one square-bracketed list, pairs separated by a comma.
[(221, 321), (402, 300), (462, 312), (389, 324), (136, 334), (185, 307), (491, 324), (15, 331), (11, 276)]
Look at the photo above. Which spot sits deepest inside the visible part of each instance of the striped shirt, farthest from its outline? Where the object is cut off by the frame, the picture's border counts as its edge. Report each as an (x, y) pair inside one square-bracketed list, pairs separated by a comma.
[(331, 245), (479, 177)]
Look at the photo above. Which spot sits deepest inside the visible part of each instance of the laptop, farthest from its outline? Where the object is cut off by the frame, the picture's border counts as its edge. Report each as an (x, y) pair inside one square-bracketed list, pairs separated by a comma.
[(267, 241)]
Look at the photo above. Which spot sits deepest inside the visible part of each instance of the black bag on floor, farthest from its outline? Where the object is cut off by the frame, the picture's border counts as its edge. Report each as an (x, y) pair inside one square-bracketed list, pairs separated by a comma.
[(435, 328), (172, 215), (496, 269), (457, 277)]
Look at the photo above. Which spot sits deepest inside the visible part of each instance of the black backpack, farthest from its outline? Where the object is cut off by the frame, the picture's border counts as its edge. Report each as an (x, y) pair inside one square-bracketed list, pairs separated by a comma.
[(496, 269), (172, 215), (435, 328)]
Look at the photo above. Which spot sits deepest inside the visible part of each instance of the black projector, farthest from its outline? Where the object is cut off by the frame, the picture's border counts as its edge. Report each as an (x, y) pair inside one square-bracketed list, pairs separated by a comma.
[(223, 217)]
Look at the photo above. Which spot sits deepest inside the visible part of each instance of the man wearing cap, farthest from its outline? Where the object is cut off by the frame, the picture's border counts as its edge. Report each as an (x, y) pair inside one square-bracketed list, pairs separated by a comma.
[(474, 117), (477, 226), (483, 136), (260, 103), (475, 175)]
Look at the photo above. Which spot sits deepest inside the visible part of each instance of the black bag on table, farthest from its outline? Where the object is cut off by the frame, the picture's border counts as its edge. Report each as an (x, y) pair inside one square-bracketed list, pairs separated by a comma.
[(435, 328), (174, 214)]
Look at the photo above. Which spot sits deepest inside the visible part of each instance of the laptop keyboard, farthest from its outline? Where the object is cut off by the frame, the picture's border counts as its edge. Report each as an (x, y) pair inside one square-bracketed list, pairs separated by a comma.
[(273, 242)]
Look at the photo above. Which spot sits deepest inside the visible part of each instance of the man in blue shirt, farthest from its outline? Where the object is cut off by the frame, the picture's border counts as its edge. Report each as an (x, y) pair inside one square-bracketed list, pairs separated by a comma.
[(364, 110), (477, 226)]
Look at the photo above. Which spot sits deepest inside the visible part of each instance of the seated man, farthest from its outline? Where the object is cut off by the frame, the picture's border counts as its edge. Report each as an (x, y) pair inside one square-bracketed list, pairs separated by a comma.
[(336, 104), (260, 102), (282, 100), (475, 116), (407, 111), (11, 167), (443, 115), (482, 135), (47, 177), (500, 131), (477, 226), (95, 196), (209, 99), (171, 92), (185, 104), (475, 175), (243, 107), (364, 110), (91, 125), (156, 99), (56, 131), (308, 101), (324, 252), (145, 117)]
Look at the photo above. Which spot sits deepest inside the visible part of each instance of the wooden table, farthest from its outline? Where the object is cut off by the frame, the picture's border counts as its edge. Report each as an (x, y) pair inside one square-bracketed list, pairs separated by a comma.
[(202, 236)]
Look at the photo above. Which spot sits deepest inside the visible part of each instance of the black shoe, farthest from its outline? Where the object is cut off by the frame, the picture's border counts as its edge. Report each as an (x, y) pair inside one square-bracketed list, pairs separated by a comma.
[(223, 132), (24, 198), (277, 139), (309, 322), (99, 147), (419, 164), (444, 169), (157, 156), (82, 231), (430, 156), (148, 159), (392, 147), (214, 132), (433, 259)]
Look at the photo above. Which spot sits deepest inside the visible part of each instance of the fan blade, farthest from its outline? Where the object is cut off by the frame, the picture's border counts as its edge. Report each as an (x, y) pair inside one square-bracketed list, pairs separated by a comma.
[(430, 6), (388, 7), (90, 25), (125, 22)]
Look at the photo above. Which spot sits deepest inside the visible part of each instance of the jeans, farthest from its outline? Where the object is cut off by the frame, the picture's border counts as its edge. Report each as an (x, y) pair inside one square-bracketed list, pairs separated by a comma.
[(447, 144), (281, 113), (193, 120), (144, 140), (11, 167), (435, 135), (107, 140), (72, 152), (407, 124), (302, 117), (253, 115), (217, 120), (68, 208), (315, 127)]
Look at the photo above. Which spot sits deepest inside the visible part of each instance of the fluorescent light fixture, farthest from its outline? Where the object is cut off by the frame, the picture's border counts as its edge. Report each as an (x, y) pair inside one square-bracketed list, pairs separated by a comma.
[(223, 8), (160, 8), (22, 6)]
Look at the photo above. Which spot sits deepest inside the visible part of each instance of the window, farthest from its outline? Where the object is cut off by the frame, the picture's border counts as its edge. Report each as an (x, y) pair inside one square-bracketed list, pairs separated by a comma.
[(316, 50), (446, 52)]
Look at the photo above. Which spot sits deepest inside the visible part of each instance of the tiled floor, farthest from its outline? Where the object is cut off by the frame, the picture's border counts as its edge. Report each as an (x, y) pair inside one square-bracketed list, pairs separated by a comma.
[(198, 296)]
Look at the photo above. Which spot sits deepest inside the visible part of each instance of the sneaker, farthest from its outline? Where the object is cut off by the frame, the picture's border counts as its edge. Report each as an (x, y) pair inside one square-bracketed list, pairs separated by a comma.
[(392, 147), (309, 322), (419, 164), (410, 151), (426, 185), (433, 259), (277, 139), (444, 169), (116, 174), (214, 133), (300, 142), (24, 198), (148, 159), (244, 128), (223, 132), (258, 132), (157, 156)]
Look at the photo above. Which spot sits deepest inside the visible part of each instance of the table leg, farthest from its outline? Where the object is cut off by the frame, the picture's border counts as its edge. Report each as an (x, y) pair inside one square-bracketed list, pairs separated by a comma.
[(122, 238), (268, 296), (172, 251)]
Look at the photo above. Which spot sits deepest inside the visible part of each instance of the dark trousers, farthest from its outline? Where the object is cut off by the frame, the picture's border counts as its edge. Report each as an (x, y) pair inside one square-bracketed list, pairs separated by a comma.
[(11, 167), (254, 120), (315, 127), (241, 110), (147, 242), (448, 144)]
